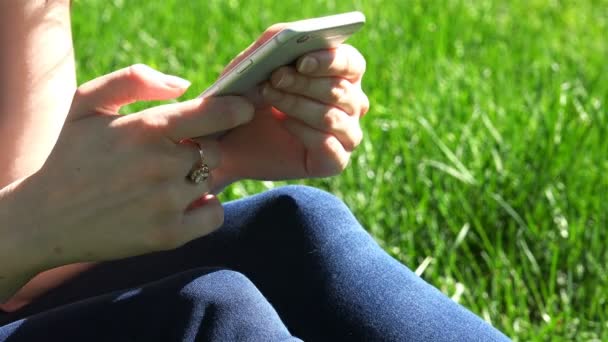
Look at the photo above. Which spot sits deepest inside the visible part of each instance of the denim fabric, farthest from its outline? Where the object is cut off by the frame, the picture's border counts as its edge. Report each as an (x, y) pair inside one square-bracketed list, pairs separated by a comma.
[(289, 262)]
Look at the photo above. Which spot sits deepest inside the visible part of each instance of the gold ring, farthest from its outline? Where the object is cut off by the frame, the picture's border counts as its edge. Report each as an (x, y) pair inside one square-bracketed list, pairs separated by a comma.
[(200, 170)]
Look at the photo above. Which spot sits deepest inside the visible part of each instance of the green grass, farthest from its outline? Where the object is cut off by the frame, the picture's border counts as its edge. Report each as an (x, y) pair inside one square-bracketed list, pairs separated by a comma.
[(486, 147)]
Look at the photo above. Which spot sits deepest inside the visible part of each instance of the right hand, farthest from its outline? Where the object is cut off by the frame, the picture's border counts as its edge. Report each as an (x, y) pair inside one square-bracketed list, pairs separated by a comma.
[(114, 186)]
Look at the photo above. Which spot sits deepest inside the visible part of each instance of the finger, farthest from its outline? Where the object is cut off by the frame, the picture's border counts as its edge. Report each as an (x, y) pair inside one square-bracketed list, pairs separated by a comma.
[(198, 117), (135, 83), (266, 36), (190, 155), (344, 61), (327, 119), (211, 152), (167, 167), (333, 91), (190, 191), (203, 216), (325, 155)]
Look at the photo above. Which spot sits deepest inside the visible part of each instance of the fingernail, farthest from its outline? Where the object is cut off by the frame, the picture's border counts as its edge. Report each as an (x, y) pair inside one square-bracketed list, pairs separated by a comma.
[(308, 64), (175, 82), (285, 81), (271, 94)]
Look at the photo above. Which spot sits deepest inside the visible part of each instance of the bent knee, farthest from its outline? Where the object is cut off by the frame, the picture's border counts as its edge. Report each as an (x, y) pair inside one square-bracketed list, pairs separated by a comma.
[(313, 213), (221, 287), (309, 199)]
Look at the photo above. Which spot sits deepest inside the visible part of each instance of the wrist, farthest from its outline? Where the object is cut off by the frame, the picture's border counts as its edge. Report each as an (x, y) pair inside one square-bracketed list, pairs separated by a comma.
[(20, 255), (46, 216)]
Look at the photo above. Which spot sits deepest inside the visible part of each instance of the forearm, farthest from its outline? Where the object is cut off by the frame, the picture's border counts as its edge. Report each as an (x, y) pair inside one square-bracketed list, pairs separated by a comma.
[(37, 81)]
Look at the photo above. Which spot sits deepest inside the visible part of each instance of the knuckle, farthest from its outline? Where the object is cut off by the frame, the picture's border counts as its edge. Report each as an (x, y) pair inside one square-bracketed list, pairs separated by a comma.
[(79, 98), (155, 123), (331, 119), (338, 157), (348, 48), (288, 102), (338, 91), (362, 63), (350, 140), (136, 73), (358, 61), (364, 104), (82, 92), (357, 137), (354, 138), (354, 62)]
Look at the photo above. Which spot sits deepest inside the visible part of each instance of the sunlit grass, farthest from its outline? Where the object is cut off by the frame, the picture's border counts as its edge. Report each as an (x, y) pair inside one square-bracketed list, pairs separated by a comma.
[(486, 148)]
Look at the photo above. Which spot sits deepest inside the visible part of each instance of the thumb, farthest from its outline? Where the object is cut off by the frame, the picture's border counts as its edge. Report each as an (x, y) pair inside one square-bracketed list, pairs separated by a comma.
[(138, 82)]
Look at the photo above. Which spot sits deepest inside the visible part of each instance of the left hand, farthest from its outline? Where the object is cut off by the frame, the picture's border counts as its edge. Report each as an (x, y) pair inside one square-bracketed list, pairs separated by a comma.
[(307, 123)]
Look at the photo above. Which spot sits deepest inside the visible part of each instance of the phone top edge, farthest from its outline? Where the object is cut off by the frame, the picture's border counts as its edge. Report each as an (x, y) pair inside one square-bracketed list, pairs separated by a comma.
[(351, 19), (322, 23)]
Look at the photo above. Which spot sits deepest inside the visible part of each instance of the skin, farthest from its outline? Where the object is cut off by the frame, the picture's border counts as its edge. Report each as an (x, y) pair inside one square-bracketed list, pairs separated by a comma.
[(127, 185), (131, 193), (307, 119), (30, 82)]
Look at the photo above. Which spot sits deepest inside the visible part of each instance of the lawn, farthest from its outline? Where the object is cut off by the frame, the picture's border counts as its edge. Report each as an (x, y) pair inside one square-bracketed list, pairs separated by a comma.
[(486, 151)]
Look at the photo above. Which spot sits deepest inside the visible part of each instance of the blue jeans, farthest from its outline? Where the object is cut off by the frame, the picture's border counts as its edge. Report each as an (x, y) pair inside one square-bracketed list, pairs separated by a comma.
[(288, 264)]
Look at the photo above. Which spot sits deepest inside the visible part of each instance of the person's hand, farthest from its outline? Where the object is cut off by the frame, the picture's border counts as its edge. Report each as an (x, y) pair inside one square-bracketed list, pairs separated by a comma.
[(307, 123), (115, 186)]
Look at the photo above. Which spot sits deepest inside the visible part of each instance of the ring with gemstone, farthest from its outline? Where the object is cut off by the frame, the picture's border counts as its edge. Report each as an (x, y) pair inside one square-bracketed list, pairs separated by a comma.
[(200, 170)]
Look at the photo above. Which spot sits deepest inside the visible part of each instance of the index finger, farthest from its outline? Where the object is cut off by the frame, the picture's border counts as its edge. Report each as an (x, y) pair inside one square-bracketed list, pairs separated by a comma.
[(344, 61), (198, 117)]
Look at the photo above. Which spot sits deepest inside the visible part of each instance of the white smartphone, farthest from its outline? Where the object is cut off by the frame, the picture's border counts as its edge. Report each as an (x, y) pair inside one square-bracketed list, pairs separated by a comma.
[(295, 40)]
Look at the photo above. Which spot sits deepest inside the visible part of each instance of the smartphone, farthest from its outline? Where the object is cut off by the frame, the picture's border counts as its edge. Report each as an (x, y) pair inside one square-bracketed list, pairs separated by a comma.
[(296, 39)]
